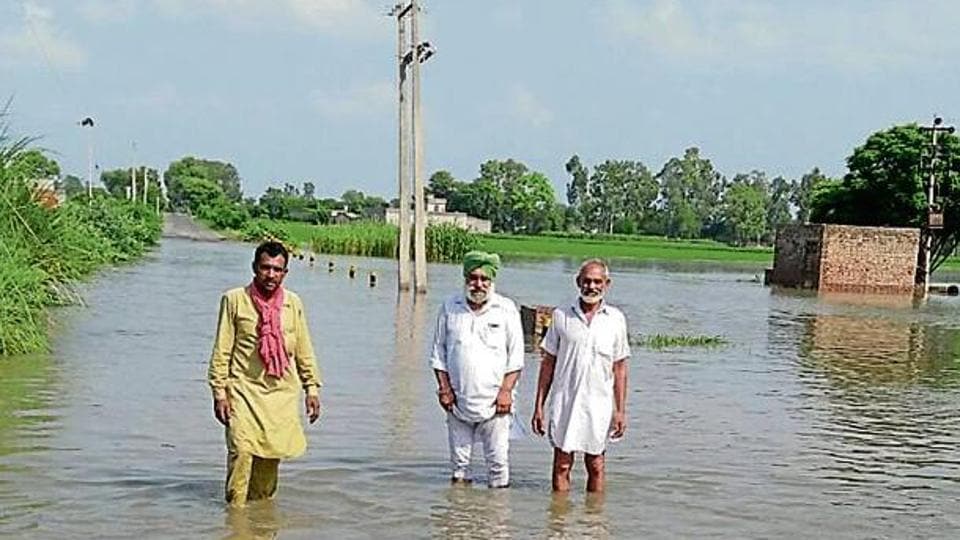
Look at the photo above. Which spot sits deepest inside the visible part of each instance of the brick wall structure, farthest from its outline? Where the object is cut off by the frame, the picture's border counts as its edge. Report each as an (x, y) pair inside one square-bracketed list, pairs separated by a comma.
[(846, 258)]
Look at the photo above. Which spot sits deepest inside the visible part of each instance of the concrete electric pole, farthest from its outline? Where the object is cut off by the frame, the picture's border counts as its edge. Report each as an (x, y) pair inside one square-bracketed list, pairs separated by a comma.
[(411, 52), (403, 157), (934, 215)]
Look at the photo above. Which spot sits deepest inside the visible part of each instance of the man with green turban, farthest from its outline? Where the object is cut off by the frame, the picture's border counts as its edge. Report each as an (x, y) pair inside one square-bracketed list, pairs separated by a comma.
[(477, 356)]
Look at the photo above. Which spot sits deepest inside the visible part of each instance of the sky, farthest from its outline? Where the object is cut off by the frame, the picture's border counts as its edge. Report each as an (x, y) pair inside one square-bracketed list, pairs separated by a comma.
[(305, 90)]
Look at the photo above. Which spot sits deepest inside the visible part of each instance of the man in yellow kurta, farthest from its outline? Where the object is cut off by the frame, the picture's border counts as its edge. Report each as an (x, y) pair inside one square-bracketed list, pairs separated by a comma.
[(262, 357)]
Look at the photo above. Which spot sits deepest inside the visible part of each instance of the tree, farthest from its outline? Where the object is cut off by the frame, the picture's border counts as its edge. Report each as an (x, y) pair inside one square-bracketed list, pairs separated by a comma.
[(744, 211), (309, 190), (689, 189), (223, 175), (577, 191), (199, 192), (442, 184), (116, 182), (32, 165), (620, 192), (778, 205), (802, 196), (71, 186), (885, 185), (532, 203)]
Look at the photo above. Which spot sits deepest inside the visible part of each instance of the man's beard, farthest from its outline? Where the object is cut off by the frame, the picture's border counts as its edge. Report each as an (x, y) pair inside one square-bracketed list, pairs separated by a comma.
[(591, 298), (478, 296)]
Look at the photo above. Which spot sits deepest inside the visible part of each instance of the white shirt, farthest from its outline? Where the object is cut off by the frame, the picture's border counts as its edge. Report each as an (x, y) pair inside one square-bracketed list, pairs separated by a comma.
[(581, 406), (477, 349)]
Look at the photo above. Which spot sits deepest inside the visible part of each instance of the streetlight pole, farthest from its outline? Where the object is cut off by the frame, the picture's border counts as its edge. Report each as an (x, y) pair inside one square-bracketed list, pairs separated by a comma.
[(88, 123)]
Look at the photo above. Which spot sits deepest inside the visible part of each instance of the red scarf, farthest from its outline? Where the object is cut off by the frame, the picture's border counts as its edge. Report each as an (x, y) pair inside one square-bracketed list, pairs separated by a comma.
[(270, 331)]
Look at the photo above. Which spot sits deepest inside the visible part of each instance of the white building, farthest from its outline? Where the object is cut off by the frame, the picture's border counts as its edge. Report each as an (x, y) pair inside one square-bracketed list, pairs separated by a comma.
[(437, 215)]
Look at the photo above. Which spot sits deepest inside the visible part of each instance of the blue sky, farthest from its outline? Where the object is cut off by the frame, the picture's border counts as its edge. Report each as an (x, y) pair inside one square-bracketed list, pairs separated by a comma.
[(296, 90)]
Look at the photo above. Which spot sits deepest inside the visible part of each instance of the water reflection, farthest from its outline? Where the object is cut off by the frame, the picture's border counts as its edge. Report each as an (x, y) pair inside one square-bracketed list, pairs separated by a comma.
[(565, 519), (470, 512), (888, 442), (255, 521), (404, 392)]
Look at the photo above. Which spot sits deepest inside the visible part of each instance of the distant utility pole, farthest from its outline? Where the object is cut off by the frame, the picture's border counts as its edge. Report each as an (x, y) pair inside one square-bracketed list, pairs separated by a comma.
[(133, 173), (88, 123), (411, 52), (934, 214)]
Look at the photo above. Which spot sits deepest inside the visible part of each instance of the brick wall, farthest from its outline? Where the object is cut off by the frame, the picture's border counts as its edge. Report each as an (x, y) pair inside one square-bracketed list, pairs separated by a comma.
[(868, 259), (796, 257)]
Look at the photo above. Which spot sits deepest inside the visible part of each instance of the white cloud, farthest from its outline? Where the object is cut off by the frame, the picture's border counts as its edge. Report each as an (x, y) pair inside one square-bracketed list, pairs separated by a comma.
[(859, 36), (107, 11), (36, 40), (357, 100), (340, 17), (529, 108)]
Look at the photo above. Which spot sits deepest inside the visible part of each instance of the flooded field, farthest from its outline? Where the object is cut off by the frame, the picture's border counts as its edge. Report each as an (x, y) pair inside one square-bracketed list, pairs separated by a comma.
[(831, 416)]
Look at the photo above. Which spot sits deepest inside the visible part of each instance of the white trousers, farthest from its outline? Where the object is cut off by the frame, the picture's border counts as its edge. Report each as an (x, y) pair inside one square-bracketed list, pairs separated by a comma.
[(495, 436)]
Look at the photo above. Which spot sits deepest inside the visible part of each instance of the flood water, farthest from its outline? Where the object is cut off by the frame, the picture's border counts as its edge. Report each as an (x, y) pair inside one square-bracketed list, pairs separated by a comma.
[(825, 416)]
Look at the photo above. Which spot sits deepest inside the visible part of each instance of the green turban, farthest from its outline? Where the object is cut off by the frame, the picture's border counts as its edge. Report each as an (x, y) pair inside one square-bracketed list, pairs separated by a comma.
[(488, 262)]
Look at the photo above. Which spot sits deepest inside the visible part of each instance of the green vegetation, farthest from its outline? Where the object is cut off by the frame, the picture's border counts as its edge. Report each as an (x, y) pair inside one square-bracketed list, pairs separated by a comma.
[(667, 341), (622, 246), (367, 238), (43, 249)]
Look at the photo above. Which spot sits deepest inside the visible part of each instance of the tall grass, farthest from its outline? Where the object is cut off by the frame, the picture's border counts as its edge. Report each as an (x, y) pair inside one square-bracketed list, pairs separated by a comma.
[(43, 250), (445, 243)]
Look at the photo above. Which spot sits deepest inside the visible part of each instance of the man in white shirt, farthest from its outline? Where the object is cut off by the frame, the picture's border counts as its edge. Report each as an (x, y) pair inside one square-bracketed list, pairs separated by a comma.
[(477, 357), (584, 373)]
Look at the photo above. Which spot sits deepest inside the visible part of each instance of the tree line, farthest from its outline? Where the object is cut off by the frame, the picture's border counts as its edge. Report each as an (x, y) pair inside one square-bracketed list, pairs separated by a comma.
[(688, 198)]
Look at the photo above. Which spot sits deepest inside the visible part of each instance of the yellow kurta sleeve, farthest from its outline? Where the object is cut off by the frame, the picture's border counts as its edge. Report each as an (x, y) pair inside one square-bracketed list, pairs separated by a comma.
[(304, 356), (223, 344)]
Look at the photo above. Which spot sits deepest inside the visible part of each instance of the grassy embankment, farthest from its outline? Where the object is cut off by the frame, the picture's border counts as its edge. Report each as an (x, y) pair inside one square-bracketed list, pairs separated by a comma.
[(44, 250)]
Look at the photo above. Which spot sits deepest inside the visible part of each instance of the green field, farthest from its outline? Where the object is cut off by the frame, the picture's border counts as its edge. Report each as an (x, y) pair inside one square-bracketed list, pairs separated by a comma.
[(583, 246), (639, 247)]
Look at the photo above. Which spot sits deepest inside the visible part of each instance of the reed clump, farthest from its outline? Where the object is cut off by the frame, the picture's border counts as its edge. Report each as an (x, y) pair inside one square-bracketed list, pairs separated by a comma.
[(668, 341), (445, 243)]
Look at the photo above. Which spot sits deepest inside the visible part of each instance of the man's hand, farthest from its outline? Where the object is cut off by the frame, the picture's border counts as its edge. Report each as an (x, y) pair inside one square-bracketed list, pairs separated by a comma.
[(537, 422), (446, 398), (221, 409), (313, 408), (504, 401), (619, 425)]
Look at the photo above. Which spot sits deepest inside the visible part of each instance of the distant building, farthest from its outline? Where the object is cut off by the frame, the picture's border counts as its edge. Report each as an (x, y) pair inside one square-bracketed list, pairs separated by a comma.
[(342, 216), (437, 214), (846, 258)]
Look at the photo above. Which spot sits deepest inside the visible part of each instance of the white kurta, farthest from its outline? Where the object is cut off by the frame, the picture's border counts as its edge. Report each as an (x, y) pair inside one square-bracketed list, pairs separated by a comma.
[(580, 403), (477, 349)]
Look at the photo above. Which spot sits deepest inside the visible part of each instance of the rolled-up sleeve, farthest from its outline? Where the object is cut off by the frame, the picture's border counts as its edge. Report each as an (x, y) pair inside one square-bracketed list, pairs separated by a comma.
[(219, 368), (438, 351), (304, 356)]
